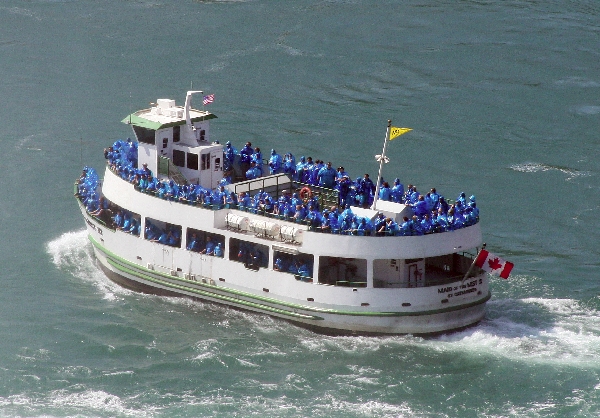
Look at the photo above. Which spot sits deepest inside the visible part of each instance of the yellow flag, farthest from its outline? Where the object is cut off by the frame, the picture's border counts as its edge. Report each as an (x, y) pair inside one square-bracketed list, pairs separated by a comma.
[(396, 132)]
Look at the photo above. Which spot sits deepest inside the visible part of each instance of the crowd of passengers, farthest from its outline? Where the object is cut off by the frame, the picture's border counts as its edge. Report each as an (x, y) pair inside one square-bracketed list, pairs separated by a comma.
[(432, 213)]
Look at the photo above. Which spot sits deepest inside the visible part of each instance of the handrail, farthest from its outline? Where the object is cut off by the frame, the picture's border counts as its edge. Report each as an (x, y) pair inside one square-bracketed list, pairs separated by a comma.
[(259, 212)]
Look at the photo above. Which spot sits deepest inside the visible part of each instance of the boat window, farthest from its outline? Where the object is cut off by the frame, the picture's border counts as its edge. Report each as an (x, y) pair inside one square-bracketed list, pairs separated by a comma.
[(162, 232), (205, 242), (252, 255), (179, 158), (176, 133), (192, 161), (165, 142), (205, 159), (144, 135), (338, 271), (300, 265)]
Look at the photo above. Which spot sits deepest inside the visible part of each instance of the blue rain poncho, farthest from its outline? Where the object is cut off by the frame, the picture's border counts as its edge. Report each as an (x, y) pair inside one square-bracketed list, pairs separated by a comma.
[(275, 162)]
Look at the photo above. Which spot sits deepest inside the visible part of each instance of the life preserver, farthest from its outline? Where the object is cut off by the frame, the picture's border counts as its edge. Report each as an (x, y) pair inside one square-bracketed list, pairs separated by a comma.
[(305, 193)]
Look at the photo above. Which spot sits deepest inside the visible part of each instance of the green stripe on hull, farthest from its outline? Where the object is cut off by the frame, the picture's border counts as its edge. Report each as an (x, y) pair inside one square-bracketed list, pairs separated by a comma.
[(228, 299), (128, 267)]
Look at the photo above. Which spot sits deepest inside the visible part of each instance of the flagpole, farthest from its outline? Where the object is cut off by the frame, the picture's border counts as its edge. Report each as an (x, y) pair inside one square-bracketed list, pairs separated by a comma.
[(381, 162), (473, 263)]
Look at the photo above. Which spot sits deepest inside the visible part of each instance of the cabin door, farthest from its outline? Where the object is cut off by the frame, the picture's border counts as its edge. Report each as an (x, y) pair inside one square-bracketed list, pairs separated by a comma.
[(415, 273), (216, 159)]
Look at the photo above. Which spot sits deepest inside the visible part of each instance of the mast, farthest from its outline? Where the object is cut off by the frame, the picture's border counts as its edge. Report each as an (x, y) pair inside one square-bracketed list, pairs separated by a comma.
[(188, 105), (382, 159)]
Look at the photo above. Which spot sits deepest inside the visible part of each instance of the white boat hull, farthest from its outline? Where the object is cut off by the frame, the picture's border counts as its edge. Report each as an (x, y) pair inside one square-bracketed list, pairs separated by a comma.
[(330, 309)]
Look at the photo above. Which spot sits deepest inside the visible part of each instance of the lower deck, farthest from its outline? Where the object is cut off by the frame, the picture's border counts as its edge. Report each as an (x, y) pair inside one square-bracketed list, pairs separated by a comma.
[(259, 251)]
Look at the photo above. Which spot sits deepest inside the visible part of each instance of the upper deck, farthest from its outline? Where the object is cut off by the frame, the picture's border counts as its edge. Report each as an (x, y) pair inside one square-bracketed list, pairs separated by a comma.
[(314, 240)]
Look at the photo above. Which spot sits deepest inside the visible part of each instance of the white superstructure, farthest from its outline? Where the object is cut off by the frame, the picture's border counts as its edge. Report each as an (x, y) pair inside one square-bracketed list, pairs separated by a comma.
[(358, 284)]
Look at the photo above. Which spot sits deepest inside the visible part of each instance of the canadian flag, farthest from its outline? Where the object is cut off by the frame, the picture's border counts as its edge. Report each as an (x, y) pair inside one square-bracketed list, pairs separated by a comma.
[(493, 264)]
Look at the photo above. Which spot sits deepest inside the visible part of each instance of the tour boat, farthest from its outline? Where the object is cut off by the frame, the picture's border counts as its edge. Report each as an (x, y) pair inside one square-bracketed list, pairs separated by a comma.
[(167, 219)]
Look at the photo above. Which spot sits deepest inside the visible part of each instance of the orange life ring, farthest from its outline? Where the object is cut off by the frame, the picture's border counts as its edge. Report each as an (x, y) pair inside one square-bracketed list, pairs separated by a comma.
[(305, 193)]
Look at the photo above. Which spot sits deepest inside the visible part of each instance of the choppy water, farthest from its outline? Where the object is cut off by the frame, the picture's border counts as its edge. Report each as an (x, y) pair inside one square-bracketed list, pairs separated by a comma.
[(503, 97)]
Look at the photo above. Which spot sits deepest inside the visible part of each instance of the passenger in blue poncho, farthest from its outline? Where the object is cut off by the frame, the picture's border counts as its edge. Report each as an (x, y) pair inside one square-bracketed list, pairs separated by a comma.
[(246, 153), (149, 232), (152, 184), (443, 205), (343, 186), (278, 265), (275, 163), (405, 229), (326, 176), (163, 238), (385, 193), (427, 224), (458, 220), (304, 271), (442, 220), (341, 173), (293, 268), (379, 223), (300, 167), (229, 155), (289, 210), (232, 199), (450, 217), (435, 198), (365, 227), (315, 172), (301, 213), (472, 213), (333, 222), (390, 227), (193, 244), (218, 250), (91, 203), (253, 172), (118, 219), (103, 207), (221, 195), (365, 191), (289, 164), (346, 214), (314, 216), (420, 207), (307, 172), (246, 157), (134, 228), (257, 158), (397, 191), (243, 200), (210, 246)]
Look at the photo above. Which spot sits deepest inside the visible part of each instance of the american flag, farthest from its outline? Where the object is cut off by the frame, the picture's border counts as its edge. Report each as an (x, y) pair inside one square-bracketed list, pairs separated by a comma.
[(208, 99)]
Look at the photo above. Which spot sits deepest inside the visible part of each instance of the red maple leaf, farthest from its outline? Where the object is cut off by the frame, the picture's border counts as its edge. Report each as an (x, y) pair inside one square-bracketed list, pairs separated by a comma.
[(494, 264)]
